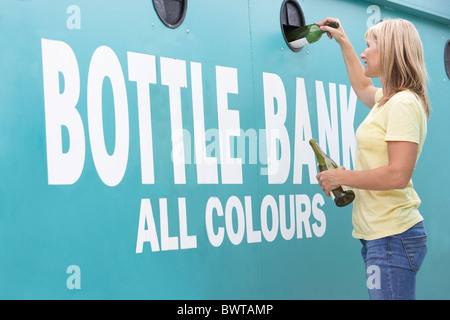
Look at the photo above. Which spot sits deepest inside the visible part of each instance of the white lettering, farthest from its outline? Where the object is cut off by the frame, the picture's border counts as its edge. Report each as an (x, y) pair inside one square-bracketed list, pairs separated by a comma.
[(149, 234), (287, 233), (301, 218), (347, 119), (186, 241), (269, 234), (328, 130), (105, 64), (246, 309), (319, 215), (234, 203), (173, 75), (167, 242), (252, 235), (206, 166), (214, 238), (302, 200), (66, 156), (303, 153), (142, 69), (60, 111), (227, 82), (278, 169)]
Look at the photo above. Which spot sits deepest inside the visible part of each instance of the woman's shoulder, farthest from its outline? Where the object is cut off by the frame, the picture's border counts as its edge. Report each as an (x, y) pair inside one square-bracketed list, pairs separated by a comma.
[(405, 95), (407, 101), (378, 94)]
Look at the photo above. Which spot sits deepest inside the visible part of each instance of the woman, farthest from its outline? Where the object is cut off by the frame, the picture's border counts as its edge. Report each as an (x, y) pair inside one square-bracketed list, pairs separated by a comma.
[(388, 144)]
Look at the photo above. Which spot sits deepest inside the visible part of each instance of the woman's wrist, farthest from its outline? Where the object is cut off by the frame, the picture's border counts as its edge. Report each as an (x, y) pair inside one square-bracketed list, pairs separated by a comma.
[(345, 43), (342, 177)]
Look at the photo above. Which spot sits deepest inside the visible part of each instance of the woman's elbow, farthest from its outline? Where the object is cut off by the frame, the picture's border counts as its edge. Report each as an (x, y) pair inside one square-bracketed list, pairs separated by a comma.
[(399, 181)]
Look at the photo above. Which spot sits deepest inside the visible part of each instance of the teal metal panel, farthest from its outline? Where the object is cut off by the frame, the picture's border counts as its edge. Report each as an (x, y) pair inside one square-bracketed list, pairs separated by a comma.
[(438, 10), (112, 229)]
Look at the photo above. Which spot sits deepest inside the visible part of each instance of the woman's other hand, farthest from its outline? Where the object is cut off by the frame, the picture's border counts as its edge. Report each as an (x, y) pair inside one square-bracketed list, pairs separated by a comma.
[(330, 180)]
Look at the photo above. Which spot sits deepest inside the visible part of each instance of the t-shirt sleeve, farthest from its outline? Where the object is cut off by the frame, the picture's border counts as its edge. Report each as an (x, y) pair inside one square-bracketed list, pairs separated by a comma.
[(378, 95), (404, 120)]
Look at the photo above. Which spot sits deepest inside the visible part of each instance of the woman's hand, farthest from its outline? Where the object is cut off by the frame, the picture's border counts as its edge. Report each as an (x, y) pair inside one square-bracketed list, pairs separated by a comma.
[(330, 180), (337, 34)]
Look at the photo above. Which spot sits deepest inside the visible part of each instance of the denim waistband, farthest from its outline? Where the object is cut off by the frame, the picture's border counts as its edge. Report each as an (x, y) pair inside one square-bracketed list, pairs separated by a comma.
[(416, 230)]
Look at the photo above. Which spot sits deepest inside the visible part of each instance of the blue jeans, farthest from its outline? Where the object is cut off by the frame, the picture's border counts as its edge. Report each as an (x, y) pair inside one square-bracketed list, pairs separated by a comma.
[(392, 264)]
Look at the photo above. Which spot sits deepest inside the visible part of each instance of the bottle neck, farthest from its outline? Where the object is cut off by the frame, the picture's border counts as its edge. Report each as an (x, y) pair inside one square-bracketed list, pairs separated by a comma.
[(319, 153), (333, 24)]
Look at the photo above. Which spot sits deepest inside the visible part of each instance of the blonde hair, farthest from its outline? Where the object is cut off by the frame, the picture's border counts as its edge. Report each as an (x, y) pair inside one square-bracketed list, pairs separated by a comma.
[(401, 58)]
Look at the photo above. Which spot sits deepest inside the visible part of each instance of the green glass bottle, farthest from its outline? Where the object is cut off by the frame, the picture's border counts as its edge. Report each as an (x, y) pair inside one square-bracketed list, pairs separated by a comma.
[(303, 36), (342, 195)]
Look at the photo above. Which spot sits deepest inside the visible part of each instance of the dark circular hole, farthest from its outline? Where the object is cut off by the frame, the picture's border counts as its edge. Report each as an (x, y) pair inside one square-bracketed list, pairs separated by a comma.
[(447, 58), (291, 17), (171, 12)]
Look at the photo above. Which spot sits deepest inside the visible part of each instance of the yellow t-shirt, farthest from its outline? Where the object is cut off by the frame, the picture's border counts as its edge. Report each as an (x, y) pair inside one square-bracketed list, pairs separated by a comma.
[(378, 214)]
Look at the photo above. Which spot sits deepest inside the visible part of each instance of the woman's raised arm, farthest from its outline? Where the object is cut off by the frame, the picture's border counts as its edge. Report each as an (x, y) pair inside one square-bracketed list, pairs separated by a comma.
[(362, 85)]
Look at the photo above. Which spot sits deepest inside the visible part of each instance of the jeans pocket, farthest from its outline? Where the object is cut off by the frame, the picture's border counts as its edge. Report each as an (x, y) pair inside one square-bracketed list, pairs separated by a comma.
[(416, 249)]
